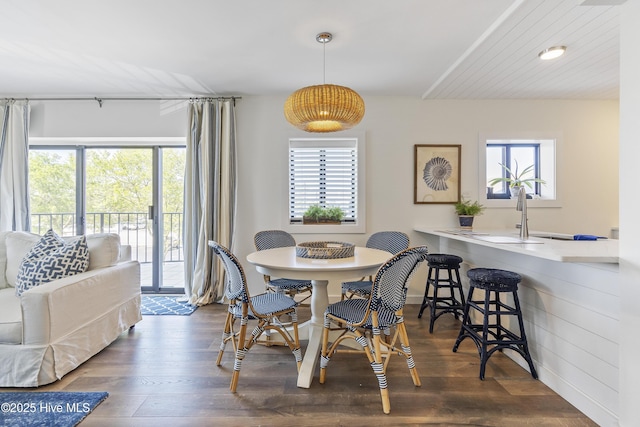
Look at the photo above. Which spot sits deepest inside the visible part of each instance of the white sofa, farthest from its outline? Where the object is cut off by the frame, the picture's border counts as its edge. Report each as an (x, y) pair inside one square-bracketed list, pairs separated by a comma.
[(53, 328)]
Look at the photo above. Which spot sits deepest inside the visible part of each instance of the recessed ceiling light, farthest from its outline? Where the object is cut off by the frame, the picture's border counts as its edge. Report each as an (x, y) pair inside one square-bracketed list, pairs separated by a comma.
[(552, 52)]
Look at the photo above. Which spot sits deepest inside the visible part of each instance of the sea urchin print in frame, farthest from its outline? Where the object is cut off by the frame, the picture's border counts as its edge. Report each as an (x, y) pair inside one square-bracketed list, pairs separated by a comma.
[(436, 174)]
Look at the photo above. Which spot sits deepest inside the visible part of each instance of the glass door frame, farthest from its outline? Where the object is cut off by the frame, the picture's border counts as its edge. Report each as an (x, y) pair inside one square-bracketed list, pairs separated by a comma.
[(80, 146)]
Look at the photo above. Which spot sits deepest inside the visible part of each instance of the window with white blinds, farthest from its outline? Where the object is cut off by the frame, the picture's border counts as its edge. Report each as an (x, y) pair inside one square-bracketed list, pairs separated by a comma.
[(323, 171)]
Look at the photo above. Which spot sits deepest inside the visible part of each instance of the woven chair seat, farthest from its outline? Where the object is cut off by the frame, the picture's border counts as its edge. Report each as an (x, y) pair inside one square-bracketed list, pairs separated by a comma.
[(271, 239), (265, 305), (443, 260), (352, 311), (360, 287), (290, 284), (269, 303), (494, 279)]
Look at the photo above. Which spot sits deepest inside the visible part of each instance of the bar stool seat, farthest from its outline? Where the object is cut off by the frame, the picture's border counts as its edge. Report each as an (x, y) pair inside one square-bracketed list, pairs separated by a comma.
[(487, 336), (440, 304)]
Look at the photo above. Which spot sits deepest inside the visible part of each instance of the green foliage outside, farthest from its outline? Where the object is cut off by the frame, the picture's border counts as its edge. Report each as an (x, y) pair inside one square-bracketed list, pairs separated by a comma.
[(117, 181), (52, 182)]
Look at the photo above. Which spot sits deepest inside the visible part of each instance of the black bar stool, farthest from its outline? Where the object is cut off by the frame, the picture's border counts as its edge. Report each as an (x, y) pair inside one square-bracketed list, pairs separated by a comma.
[(439, 303), (490, 337)]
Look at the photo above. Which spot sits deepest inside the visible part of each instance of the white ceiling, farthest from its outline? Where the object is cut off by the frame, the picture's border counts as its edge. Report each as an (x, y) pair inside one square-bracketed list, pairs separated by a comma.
[(434, 49)]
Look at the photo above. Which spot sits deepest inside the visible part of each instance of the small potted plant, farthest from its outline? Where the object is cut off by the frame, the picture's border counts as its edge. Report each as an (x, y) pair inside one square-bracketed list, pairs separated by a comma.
[(316, 214), (516, 180), (467, 210)]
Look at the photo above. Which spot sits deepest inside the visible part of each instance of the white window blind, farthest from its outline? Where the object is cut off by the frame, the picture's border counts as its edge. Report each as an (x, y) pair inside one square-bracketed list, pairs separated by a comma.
[(323, 172)]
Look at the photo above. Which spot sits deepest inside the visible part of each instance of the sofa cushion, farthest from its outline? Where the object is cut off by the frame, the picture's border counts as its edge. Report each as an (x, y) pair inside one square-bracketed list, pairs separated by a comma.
[(52, 258), (18, 243), (104, 250), (46, 244), (10, 317)]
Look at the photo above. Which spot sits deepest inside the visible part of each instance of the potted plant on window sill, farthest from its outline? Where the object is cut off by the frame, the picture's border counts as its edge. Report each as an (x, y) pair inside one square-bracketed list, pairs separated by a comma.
[(467, 210), (316, 214), (516, 180)]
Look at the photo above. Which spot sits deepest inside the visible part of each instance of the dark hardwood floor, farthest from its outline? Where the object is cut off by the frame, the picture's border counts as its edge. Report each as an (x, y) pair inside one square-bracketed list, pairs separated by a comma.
[(163, 373)]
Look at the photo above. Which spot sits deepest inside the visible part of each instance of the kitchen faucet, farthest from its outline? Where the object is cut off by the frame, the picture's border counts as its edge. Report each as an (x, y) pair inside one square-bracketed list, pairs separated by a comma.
[(522, 206)]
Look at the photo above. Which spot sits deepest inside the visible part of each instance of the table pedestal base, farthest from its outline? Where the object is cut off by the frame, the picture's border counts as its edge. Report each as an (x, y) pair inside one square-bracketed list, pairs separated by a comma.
[(313, 332)]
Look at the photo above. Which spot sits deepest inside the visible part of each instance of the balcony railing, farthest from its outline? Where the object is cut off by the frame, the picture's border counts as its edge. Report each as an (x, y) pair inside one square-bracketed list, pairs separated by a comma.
[(133, 228)]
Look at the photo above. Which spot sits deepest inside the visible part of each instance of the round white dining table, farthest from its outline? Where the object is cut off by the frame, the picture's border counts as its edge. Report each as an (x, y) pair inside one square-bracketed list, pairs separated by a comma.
[(283, 262)]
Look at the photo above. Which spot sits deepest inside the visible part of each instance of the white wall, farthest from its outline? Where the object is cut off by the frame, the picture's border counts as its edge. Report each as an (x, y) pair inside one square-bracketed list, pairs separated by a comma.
[(629, 205), (392, 125), (115, 119)]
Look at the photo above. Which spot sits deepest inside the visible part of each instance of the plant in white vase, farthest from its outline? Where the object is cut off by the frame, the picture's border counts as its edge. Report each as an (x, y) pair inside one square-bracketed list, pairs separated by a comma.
[(515, 180)]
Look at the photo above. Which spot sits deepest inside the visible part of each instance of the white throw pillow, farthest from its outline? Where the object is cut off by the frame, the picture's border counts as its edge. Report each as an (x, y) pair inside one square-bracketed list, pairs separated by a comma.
[(18, 243), (50, 259), (104, 250)]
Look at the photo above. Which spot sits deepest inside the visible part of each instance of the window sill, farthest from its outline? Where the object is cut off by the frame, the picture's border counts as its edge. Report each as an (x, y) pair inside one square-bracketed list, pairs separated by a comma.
[(511, 203), (324, 228)]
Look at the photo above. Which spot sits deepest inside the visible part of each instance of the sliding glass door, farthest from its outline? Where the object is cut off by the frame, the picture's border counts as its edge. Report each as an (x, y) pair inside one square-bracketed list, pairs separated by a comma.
[(171, 193), (119, 191), (135, 192)]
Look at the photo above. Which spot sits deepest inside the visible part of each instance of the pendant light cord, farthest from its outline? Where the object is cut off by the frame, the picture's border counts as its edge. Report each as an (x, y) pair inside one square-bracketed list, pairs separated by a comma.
[(324, 38), (324, 62)]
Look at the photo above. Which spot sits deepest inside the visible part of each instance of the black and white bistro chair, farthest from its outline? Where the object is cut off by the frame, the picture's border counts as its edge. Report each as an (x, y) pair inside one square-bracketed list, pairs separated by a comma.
[(270, 239), (390, 241), (265, 308), (363, 320)]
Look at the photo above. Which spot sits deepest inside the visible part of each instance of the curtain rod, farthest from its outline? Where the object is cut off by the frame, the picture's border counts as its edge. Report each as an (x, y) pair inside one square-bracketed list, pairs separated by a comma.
[(99, 100)]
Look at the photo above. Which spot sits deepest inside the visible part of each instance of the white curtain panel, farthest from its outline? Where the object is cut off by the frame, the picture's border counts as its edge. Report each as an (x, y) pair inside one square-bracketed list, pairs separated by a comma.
[(209, 196), (14, 165)]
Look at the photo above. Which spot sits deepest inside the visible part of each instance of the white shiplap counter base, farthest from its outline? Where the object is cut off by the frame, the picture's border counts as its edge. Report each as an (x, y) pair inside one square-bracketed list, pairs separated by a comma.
[(570, 310)]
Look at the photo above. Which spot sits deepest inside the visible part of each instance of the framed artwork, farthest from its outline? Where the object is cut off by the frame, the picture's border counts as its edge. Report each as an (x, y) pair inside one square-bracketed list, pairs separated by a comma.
[(436, 174)]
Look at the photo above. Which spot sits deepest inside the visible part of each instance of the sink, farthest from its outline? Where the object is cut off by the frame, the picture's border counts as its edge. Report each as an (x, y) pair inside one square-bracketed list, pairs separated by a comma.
[(464, 233), (505, 239)]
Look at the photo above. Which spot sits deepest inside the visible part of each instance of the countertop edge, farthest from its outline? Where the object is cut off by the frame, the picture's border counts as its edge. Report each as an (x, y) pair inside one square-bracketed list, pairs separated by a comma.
[(560, 251)]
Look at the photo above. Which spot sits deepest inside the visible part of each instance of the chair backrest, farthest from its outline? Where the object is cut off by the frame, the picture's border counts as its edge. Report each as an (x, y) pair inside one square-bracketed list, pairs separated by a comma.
[(390, 241), (235, 286), (391, 281), (269, 239)]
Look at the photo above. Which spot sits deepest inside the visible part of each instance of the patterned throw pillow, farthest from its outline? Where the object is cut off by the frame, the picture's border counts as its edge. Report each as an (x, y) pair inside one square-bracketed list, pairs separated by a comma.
[(48, 243), (52, 258)]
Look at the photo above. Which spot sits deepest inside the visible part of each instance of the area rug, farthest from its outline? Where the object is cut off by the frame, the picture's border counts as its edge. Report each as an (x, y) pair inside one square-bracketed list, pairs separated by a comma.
[(165, 305), (47, 408)]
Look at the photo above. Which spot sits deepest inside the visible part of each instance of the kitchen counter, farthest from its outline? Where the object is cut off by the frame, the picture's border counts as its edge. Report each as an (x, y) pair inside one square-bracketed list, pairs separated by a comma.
[(570, 297), (553, 248)]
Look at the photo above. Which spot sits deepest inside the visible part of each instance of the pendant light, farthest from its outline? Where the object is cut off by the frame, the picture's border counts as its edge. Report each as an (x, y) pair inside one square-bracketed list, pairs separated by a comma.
[(325, 107)]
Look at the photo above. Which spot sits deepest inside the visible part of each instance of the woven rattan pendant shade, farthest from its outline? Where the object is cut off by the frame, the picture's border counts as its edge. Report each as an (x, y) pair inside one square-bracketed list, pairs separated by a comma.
[(324, 108)]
